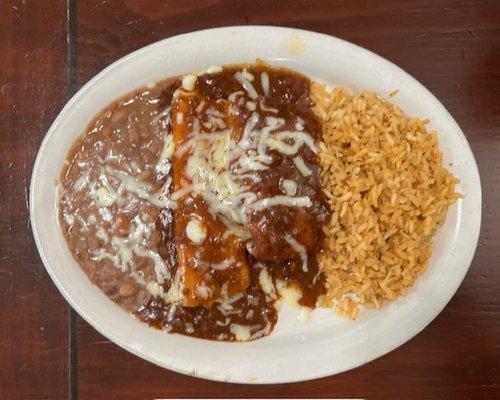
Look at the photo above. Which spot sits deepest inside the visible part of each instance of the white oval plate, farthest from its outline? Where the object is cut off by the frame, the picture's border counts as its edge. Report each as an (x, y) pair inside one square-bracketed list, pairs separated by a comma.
[(293, 352)]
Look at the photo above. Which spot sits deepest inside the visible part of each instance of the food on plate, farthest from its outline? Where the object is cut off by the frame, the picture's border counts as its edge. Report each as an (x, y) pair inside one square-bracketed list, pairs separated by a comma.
[(200, 202), (388, 192)]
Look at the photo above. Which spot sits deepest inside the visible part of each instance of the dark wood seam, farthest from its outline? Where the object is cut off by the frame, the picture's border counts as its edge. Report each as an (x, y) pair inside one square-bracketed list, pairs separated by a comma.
[(71, 20)]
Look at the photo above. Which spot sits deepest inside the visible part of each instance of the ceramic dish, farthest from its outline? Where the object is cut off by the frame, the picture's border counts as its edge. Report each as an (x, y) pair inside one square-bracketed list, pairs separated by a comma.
[(326, 345)]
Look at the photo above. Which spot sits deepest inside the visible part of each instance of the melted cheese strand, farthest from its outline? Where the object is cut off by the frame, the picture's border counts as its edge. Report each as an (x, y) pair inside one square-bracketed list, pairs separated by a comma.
[(280, 200), (264, 80), (142, 190), (125, 248), (163, 164), (242, 78), (298, 248), (301, 166)]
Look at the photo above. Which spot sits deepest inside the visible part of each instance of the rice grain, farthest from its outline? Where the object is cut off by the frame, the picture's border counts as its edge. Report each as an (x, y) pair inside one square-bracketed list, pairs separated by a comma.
[(388, 192)]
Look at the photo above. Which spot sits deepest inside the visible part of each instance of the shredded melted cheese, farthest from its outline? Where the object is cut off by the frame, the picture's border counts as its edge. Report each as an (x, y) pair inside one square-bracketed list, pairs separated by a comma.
[(143, 190), (298, 248), (242, 78), (264, 79), (189, 82), (125, 248), (218, 170), (217, 164), (280, 200), (266, 283), (301, 166), (289, 187), (196, 231)]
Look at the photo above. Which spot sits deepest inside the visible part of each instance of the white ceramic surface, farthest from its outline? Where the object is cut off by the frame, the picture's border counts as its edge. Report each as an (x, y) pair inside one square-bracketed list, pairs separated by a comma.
[(325, 345)]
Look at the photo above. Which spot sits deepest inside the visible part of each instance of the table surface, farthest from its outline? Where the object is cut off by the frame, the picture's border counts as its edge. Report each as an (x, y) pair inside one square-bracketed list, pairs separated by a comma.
[(51, 48)]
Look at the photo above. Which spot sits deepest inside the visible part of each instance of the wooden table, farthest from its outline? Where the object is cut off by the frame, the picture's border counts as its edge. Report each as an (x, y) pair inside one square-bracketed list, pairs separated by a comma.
[(49, 49)]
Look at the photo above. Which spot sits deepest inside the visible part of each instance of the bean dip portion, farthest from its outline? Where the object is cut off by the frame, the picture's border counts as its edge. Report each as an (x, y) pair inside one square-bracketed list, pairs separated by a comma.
[(111, 190)]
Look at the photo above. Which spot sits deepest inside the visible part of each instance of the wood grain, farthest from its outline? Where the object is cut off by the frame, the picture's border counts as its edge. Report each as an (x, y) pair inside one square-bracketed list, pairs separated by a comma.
[(33, 315), (452, 47)]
